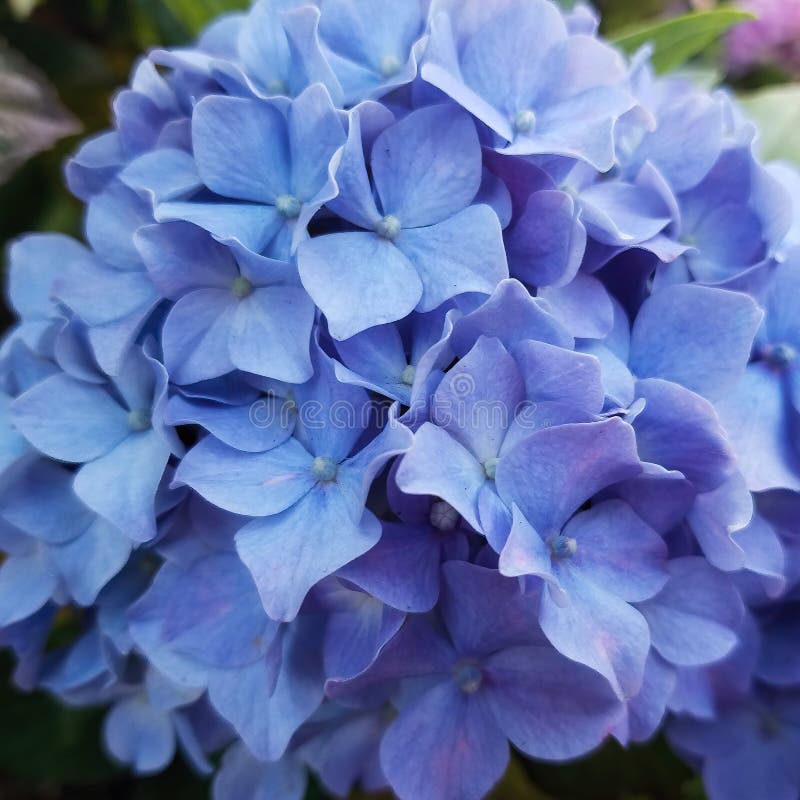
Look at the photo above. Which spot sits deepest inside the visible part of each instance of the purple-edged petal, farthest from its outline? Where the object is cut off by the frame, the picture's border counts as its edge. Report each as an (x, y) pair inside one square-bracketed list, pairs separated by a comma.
[(356, 633), (511, 315), (560, 375)]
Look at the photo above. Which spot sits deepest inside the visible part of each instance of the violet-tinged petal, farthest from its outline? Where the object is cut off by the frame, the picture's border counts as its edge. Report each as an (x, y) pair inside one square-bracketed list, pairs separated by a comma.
[(754, 415), (479, 397), (214, 614), (70, 420), (547, 241), (532, 706), (337, 267), (616, 550), (355, 634), (583, 306), (564, 376), (243, 777), (121, 485), (716, 515), (553, 471), (289, 552), (594, 627), (179, 258), (139, 735), (402, 570), (510, 315), (695, 335), (268, 726), (463, 253), (197, 333), (427, 167), (256, 484), (241, 148), (681, 431), (485, 612), (695, 618), (271, 332), (420, 471), (446, 746)]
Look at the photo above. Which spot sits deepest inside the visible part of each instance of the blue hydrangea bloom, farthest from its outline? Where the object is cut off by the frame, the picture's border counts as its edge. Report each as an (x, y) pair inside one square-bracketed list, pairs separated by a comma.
[(428, 382)]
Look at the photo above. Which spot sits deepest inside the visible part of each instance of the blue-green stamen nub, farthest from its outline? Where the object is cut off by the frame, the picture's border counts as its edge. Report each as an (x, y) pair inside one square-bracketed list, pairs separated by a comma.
[(324, 469), (468, 676), (241, 287), (490, 467), (408, 374), (139, 420), (288, 205), (563, 546), (781, 354), (277, 86), (389, 227), (390, 65), (525, 121)]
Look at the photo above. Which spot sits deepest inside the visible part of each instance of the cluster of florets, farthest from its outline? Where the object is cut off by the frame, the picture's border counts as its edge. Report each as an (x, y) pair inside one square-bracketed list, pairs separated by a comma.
[(429, 383)]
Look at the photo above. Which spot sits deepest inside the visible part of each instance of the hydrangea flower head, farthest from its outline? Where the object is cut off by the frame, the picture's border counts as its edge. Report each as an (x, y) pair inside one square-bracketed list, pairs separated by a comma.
[(428, 382)]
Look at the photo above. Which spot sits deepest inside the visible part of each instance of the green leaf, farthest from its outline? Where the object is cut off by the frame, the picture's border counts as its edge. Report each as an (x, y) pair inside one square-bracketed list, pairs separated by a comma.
[(194, 15), (677, 40), (776, 111)]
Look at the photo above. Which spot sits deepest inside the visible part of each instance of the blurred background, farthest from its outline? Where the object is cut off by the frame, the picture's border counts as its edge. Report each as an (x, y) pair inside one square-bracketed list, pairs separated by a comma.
[(60, 64)]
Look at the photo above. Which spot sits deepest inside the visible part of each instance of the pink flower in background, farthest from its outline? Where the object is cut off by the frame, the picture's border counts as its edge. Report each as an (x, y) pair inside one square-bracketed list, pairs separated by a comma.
[(773, 38)]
